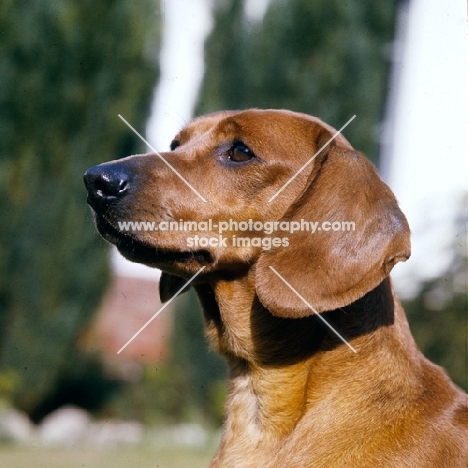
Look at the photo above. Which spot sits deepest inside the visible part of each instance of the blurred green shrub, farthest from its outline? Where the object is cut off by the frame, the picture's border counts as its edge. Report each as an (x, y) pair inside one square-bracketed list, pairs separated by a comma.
[(8, 382)]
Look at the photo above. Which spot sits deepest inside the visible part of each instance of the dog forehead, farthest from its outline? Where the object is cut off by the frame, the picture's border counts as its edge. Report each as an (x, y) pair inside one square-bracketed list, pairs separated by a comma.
[(268, 121), (250, 122), (287, 124), (204, 124), (258, 126)]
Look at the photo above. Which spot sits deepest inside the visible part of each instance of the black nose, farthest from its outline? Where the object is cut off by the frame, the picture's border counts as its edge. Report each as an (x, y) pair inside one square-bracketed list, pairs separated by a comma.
[(106, 183)]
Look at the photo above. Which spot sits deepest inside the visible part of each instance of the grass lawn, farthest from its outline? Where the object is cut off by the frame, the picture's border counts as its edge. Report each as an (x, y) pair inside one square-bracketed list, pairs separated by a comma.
[(124, 457)]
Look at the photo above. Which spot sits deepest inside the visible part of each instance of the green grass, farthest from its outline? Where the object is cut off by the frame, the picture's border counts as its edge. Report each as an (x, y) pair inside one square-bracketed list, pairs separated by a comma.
[(83, 457)]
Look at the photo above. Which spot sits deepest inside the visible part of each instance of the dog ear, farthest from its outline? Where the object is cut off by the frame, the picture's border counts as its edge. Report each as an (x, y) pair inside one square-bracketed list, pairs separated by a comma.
[(169, 285), (334, 266)]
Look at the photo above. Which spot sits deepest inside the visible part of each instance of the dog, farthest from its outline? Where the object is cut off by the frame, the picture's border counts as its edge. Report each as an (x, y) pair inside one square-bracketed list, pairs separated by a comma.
[(323, 369)]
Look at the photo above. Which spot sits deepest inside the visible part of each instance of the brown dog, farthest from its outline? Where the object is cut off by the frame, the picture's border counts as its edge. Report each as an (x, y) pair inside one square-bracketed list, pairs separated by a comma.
[(298, 395)]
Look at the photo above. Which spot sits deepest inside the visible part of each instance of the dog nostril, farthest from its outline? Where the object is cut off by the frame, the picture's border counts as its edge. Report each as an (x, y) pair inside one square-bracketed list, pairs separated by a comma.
[(110, 185), (105, 184)]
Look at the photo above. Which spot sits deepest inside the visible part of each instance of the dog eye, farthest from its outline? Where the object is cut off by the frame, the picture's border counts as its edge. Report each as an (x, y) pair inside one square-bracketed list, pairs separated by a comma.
[(240, 153), (174, 144)]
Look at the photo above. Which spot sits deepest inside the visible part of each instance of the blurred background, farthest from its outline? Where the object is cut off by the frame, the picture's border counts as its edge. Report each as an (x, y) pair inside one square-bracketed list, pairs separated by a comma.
[(68, 302)]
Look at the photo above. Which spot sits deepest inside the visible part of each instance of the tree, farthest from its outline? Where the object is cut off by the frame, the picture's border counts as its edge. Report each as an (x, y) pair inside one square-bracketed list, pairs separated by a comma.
[(325, 58), (68, 68), (438, 315)]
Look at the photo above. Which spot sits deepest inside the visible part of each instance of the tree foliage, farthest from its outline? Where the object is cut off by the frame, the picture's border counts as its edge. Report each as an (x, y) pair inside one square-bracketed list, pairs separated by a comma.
[(325, 58), (439, 314), (68, 68)]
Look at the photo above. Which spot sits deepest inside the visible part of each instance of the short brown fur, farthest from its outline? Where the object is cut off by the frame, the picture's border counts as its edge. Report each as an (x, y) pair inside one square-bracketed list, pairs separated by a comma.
[(298, 396)]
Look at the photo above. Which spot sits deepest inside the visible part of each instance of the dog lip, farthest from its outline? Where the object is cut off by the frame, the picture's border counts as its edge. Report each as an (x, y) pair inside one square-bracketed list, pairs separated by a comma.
[(139, 252)]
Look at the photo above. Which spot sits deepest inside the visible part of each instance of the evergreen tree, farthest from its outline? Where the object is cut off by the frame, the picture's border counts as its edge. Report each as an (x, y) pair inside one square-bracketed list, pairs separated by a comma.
[(325, 58), (438, 316), (68, 68)]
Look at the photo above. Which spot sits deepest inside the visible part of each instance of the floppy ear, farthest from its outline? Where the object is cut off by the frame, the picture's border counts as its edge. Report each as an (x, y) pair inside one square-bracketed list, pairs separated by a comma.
[(335, 267), (169, 285)]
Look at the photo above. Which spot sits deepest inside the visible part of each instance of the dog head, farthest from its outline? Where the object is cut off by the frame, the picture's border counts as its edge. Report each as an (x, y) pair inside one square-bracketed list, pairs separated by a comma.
[(234, 195)]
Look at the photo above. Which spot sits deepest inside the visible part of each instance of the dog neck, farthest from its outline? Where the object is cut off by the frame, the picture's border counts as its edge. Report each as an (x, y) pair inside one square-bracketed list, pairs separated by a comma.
[(238, 326), (273, 361)]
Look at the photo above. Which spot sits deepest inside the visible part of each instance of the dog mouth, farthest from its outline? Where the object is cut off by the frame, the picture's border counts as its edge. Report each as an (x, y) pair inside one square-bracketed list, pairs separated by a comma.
[(137, 251)]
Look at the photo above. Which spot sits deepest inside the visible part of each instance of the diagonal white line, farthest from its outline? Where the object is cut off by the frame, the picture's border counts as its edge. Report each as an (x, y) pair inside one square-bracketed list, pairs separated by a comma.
[(159, 154), (160, 310), (312, 309), (312, 158)]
